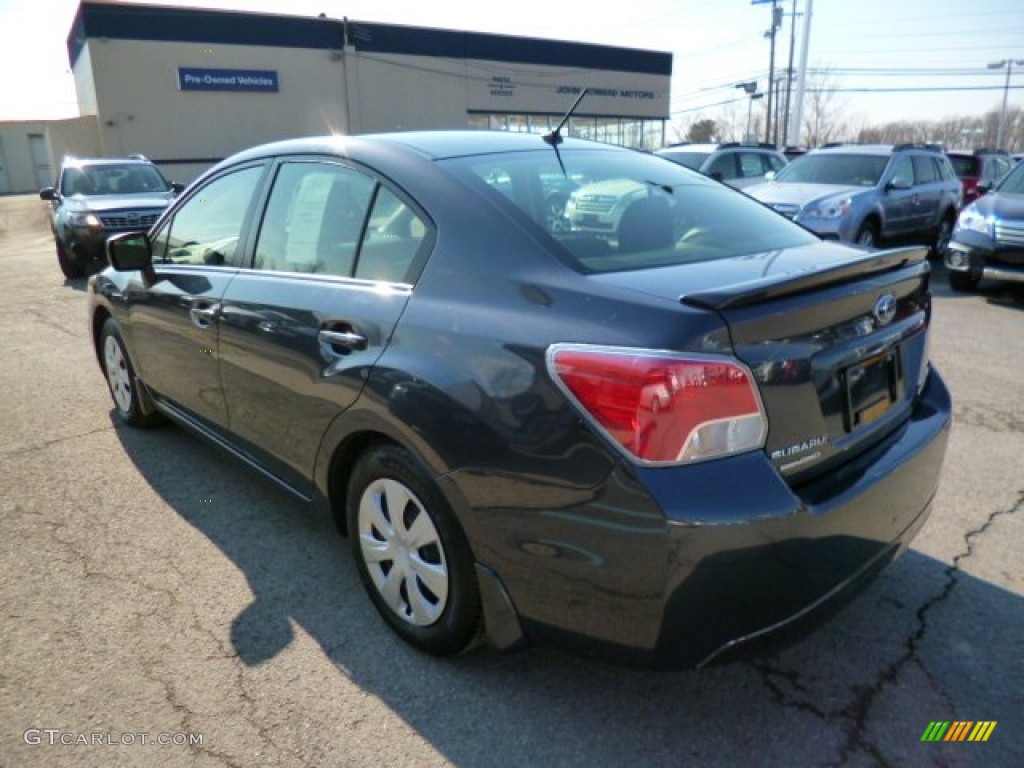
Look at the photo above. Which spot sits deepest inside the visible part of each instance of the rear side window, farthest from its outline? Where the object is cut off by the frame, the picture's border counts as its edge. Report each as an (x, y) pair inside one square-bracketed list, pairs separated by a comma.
[(626, 210)]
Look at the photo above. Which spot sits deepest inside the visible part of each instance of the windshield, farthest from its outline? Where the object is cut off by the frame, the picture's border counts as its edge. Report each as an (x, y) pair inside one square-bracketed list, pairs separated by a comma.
[(614, 210), (1013, 182), (113, 179), (689, 159), (845, 169)]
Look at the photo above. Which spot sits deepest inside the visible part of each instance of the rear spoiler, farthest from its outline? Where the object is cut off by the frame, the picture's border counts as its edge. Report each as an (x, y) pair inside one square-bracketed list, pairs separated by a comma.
[(768, 288)]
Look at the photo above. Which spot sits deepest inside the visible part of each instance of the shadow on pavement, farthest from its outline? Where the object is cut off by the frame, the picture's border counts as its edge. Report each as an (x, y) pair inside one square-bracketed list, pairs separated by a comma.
[(925, 643)]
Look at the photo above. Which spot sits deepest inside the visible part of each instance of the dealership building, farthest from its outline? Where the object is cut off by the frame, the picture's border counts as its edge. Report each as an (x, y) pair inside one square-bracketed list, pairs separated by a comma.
[(188, 87)]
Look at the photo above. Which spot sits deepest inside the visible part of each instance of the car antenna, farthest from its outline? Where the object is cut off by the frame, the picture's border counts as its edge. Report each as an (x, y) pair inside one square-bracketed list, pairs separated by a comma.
[(555, 137)]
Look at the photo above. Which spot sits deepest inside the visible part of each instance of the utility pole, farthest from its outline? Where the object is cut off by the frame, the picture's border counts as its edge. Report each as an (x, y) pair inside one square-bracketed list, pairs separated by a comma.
[(776, 23), (789, 76), (798, 111)]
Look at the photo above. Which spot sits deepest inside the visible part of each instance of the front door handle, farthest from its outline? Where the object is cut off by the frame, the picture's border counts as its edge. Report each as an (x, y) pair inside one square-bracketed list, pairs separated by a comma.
[(203, 315), (342, 342)]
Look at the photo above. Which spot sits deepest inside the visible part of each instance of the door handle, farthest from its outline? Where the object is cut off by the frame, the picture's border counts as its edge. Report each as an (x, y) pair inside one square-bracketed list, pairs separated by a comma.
[(202, 316), (347, 340)]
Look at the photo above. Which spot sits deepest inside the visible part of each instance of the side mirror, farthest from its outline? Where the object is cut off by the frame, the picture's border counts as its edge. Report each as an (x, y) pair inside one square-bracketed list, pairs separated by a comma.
[(177, 188), (130, 252), (770, 176), (717, 175), (983, 187), (900, 182), (48, 193)]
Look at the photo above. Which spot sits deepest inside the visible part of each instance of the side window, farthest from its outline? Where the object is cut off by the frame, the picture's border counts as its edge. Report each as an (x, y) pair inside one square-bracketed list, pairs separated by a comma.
[(314, 219), (394, 237), (723, 167), (206, 230), (751, 165), (776, 163), (903, 168), (924, 170)]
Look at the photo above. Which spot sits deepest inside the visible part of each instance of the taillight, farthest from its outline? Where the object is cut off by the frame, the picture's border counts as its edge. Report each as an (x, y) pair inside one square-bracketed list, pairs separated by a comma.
[(660, 407)]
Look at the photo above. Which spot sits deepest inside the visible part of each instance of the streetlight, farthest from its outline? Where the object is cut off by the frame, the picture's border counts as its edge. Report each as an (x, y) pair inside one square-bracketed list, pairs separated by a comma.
[(749, 88), (1008, 63)]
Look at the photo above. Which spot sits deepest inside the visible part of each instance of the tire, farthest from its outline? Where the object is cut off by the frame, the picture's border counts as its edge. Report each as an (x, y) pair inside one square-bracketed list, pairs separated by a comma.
[(130, 399), (963, 282), (412, 555), (867, 235), (72, 269), (942, 235)]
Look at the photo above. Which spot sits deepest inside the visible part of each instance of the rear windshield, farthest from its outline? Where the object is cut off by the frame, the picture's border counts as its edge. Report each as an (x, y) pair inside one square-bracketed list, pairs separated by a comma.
[(964, 166), (689, 159), (845, 169), (613, 210)]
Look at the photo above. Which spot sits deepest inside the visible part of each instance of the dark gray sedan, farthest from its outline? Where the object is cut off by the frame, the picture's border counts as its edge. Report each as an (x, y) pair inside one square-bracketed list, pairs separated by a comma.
[(663, 443)]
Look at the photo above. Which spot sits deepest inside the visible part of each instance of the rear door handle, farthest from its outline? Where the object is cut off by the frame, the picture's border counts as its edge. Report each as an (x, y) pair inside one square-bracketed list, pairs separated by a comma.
[(342, 342)]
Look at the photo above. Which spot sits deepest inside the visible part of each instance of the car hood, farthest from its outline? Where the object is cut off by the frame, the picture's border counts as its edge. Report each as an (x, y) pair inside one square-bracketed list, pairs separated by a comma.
[(117, 202), (773, 192), (1001, 205), (769, 267)]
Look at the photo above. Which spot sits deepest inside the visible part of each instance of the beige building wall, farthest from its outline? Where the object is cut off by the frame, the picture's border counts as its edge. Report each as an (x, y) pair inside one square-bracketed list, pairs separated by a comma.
[(20, 170)]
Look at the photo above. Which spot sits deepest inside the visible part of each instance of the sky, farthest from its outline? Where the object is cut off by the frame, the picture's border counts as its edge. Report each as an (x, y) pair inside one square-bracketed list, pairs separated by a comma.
[(891, 59)]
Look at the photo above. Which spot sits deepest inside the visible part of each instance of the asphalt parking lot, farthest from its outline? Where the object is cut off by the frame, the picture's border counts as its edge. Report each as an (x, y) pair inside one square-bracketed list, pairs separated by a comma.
[(153, 590)]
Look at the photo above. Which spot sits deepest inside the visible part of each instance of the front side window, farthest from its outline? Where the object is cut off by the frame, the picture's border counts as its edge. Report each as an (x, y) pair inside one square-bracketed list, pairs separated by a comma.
[(903, 168), (625, 210), (751, 165), (207, 228), (924, 170)]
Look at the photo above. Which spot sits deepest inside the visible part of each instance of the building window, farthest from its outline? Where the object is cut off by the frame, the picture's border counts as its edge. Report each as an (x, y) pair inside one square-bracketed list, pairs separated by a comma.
[(636, 133)]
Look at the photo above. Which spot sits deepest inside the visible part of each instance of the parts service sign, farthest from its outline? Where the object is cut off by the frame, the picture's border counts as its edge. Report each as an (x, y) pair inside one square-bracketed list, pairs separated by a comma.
[(193, 79)]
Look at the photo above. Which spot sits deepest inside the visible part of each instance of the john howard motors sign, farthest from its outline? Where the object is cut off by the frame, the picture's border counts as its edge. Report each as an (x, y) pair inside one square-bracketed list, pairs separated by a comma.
[(194, 79)]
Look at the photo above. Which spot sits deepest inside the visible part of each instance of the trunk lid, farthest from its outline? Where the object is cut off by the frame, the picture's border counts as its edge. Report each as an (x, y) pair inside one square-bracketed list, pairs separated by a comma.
[(835, 338)]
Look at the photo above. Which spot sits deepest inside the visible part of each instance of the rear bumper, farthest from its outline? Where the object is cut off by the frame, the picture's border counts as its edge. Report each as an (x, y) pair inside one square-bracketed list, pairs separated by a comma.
[(742, 560)]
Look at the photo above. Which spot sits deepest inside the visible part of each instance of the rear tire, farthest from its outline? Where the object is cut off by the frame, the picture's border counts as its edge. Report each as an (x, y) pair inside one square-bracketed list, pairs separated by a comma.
[(942, 235), (71, 268), (412, 556), (963, 282)]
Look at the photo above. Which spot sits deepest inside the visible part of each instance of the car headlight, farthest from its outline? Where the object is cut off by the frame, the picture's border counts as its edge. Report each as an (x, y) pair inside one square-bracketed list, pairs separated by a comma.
[(830, 209), (84, 219), (973, 221)]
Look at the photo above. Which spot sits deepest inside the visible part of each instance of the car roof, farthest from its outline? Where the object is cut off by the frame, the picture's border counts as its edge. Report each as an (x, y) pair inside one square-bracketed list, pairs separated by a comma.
[(434, 145)]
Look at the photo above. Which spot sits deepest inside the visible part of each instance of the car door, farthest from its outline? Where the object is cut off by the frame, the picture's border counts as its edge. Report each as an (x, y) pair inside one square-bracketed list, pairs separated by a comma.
[(928, 201), (300, 330), (899, 204), (174, 319)]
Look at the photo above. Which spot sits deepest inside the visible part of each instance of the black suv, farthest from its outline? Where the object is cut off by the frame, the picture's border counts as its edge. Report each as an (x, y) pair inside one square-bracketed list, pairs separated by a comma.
[(96, 197)]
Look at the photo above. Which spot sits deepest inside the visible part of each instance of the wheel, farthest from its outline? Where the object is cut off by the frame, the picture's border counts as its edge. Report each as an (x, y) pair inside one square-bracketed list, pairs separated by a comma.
[(942, 235), (125, 388), (557, 221), (963, 282), (68, 266), (412, 555), (867, 235)]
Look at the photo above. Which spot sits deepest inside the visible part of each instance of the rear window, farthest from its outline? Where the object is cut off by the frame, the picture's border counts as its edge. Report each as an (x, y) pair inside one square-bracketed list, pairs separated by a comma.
[(692, 160), (615, 210), (964, 165)]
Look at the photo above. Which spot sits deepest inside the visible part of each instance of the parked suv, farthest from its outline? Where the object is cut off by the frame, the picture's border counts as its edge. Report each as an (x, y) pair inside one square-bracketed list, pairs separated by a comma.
[(981, 168), (96, 197), (989, 237), (738, 165), (867, 194)]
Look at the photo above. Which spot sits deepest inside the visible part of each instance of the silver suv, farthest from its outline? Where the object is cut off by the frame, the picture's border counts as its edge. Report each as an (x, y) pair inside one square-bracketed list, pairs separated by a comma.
[(738, 165), (868, 194)]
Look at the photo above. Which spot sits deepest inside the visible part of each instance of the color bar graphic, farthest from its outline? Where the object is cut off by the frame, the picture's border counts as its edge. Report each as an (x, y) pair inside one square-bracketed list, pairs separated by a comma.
[(958, 730)]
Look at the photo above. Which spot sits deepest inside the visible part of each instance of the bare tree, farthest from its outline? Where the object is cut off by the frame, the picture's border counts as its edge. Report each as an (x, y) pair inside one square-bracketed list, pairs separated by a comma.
[(824, 110)]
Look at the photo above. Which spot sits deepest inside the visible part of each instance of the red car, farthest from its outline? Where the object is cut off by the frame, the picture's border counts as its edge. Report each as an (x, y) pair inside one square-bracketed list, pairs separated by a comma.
[(983, 166)]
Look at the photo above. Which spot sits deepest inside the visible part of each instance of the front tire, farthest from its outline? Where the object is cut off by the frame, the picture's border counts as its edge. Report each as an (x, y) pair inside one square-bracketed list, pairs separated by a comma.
[(125, 388), (963, 282), (867, 235), (71, 268), (412, 555), (942, 235)]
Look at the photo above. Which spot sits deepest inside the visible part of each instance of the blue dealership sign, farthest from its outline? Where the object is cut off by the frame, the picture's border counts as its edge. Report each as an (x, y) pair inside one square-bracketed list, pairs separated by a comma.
[(196, 79)]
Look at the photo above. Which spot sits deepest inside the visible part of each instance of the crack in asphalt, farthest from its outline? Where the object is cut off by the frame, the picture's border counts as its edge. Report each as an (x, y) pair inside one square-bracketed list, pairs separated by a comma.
[(48, 443), (856, 713)]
